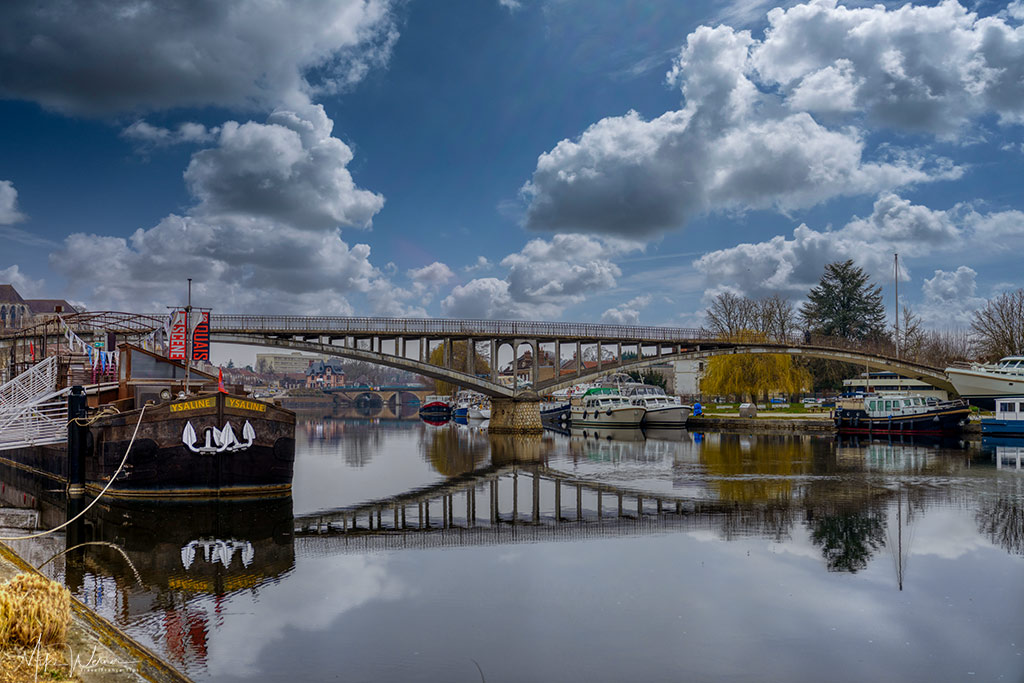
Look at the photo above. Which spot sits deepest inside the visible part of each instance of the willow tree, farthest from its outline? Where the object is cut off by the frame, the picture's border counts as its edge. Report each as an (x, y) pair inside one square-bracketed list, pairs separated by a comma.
[(460, 362), (754, 374)]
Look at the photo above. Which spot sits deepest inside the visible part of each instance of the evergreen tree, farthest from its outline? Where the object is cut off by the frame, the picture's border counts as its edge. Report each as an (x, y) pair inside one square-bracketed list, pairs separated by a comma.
[(844, 304)]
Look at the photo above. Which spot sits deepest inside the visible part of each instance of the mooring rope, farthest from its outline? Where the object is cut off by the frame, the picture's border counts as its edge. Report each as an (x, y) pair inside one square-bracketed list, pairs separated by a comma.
[(86, 421), (94, 500), (107, 544)]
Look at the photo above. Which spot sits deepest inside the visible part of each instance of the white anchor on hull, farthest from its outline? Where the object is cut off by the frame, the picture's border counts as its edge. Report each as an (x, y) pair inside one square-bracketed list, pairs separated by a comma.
[(218, 440)]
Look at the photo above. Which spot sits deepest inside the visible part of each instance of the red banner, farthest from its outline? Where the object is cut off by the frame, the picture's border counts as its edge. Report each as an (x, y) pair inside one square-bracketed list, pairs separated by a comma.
[(179, 336), (201, 338)]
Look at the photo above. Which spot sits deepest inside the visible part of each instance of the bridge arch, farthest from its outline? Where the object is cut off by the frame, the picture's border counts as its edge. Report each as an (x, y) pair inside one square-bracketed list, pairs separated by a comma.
[(462, 379), (924, 373)]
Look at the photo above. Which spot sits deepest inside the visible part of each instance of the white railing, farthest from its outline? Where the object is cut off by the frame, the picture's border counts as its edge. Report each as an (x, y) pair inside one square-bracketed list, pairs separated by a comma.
[(32, 411), (37, 424), (36, 382)]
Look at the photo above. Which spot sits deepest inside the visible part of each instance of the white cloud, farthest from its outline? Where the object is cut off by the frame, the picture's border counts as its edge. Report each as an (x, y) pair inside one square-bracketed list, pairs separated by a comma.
[(792, 266), (543, 279), (100, 58), (481, 264), (732, 146), (189, 132), (627, 313), (429, 279), (489, 298), (436, 274), (915, 67), (949, 296), (291, 169), (26, 286), (263, 234), (511, 5), (9, 204)]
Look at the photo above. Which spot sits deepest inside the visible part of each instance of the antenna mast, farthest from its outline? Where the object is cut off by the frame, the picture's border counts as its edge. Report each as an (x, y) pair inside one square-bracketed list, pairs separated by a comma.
[(188, 336), (896, 282), (896, 285)]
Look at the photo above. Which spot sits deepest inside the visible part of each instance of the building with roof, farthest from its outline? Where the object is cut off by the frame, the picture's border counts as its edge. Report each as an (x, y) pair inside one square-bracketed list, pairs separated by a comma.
[(17, 312), (283, 363), (325, 374)]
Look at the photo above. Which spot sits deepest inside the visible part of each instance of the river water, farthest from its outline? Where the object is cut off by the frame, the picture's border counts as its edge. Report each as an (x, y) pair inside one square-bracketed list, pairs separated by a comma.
[(409, 552)]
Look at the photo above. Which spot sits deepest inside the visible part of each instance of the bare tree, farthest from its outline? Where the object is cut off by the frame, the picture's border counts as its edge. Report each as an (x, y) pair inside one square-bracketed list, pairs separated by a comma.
[(912, 335), (730, 315), (942, 348), (998, 328), (776, 317)]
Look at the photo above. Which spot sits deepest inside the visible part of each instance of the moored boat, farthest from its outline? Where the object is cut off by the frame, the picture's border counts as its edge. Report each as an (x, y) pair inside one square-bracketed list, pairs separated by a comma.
[(900, 413), (154, 434), (436, 407), (661, 410), (1008, 420), (210, 444), (984, 382), (555, 411), (605, 407)]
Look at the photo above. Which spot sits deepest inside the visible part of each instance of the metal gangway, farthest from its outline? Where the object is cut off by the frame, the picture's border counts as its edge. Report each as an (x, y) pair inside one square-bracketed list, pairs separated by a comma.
[(33, 411)]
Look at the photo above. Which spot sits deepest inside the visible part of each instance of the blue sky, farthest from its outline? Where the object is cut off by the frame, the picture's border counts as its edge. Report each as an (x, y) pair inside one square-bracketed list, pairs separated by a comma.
[(543, 159)]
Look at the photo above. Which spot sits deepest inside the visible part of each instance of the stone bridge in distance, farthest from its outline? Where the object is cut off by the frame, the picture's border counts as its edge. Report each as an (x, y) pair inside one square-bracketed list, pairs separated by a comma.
[(408, 343)]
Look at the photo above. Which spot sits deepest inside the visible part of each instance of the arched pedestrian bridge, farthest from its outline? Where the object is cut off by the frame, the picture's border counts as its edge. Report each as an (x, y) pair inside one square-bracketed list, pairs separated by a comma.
[(412, 343)]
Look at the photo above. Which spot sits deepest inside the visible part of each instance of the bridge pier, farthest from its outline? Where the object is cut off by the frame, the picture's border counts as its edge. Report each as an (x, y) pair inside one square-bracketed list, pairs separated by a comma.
[(519, 415)]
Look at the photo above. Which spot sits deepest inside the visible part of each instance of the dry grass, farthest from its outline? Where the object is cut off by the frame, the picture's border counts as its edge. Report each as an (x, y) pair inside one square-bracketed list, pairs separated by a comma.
[(34, 617), (33, 610), (27, 665)]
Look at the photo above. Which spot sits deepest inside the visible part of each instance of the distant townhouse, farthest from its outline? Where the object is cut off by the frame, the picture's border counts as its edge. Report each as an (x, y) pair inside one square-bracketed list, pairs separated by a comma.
[(325, 374)]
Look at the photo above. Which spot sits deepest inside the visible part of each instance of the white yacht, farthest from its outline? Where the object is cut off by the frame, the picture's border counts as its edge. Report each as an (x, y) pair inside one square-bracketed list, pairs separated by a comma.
[(661, 410), (605, 407), (480, 411), (989, 380)]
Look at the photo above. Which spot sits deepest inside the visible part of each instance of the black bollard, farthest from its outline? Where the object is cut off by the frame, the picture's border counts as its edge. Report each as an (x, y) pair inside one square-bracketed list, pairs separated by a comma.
[(77, 439)]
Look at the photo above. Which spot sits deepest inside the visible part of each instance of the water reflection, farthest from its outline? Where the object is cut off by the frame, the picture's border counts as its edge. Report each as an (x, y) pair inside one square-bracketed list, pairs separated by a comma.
[(401, 505), (172, 566)]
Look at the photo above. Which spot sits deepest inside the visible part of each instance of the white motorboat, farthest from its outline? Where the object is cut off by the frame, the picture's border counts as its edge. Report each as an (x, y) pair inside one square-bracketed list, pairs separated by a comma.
[(988, 381), (479, 411), (605, 407), (661, 410)]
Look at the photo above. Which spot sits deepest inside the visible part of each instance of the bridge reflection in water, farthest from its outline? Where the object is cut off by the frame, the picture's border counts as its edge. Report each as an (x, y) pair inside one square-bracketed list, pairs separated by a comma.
[(169, 571)]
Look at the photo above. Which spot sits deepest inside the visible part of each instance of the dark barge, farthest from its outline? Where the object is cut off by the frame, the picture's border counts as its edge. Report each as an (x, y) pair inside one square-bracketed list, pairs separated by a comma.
[(900, 414), (192, 437)]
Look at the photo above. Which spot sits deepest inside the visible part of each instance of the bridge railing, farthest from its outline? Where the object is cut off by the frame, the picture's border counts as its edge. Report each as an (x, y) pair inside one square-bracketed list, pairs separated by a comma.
[(527, 329), (445, 327)]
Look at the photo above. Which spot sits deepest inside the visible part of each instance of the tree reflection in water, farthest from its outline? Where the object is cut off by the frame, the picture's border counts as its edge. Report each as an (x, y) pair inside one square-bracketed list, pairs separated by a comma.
[(1002, 520), (848, 538)]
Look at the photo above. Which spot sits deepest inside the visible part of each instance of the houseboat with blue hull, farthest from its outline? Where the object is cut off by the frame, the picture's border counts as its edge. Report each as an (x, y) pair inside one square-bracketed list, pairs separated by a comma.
[(900, 414), (1008, 420)]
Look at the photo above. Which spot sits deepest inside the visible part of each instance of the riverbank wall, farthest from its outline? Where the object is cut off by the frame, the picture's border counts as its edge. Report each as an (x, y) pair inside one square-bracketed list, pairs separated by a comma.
[(780, 424), (752, 424)]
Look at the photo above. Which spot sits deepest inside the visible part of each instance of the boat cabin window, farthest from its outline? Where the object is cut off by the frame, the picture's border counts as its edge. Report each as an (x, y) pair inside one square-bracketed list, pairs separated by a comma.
[(1005, 407), (145, 366), (907, 402), (888, 405), (1020, 407)]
